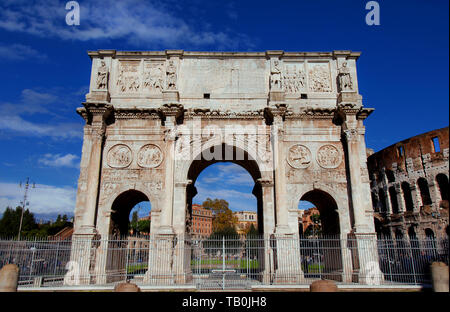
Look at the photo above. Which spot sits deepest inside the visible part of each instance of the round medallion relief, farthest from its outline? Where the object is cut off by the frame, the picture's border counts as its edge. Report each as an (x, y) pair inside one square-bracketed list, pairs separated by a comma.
[(149, 156), (328, 156), (299, 156), (119, 156)]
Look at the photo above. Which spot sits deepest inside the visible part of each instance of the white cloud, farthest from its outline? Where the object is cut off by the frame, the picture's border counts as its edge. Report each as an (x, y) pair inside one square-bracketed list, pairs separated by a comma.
[(44, 199), (31, 102), (237, 200), (138, 22), (20, 126), (230, 174), (58, 160), (19, 52)]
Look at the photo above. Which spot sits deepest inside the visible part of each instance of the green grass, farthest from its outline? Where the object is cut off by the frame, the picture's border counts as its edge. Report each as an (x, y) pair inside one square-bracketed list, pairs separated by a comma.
[(313, 268), (136, 267), (239, 264)]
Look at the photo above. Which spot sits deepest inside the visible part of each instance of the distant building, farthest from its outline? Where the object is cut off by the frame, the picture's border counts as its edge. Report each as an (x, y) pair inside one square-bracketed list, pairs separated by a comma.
[(245, 220), (305, 218), (409, 185), (149, 217), (201, 220), (64, 234)]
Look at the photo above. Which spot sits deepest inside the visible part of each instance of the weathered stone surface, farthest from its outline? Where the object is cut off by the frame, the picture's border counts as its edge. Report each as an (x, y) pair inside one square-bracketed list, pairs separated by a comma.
[(9, 276), (323, 286), (440, 278), (409, 186), (156, 119), (126, 287)]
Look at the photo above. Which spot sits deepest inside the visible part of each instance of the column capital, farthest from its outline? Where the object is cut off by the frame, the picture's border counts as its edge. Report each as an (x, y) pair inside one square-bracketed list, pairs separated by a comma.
[(351, 135), (95, 112), (170, 112)]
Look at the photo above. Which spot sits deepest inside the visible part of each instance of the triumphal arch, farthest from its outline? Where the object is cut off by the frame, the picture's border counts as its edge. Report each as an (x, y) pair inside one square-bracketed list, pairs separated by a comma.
[(156, 119)]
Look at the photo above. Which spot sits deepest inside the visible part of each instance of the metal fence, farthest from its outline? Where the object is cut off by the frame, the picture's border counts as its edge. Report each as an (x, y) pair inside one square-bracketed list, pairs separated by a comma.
[(218, 262)]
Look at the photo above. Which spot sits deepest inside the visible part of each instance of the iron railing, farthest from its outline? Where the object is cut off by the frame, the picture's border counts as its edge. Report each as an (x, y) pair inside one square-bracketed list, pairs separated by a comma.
[(218, 262)]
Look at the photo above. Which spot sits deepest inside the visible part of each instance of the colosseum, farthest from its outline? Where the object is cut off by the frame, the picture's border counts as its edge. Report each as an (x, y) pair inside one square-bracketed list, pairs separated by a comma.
[(409, 186)]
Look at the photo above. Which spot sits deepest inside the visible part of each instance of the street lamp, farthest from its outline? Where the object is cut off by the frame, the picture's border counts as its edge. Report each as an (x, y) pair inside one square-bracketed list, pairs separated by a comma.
[(24, 203)]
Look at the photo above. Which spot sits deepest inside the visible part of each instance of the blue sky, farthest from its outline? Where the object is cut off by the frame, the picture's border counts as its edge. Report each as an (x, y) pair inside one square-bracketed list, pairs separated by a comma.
[(402, 72)]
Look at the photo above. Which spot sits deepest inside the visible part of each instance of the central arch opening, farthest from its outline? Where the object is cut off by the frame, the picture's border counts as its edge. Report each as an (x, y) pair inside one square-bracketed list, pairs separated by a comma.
[(233, 180), (230, 190)]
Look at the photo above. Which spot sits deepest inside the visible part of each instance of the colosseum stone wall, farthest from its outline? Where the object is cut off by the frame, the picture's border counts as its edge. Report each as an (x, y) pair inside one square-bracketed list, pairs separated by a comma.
[(409, 186)]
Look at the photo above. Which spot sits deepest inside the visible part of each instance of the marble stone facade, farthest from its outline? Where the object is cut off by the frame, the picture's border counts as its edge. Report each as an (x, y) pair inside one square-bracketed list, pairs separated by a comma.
[(294, 120)]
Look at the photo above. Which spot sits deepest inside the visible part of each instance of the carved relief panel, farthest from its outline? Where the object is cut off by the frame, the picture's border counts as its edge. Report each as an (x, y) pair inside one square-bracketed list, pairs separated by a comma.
[(319, 77), (149, 156), (299, 156), (153, 77), (128, 76), (328, 156), (119, 156), (294, 78)]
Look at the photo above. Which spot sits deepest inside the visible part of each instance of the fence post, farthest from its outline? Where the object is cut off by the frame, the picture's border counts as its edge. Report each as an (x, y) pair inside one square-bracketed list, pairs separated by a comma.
[(9, 276), (439, 276)]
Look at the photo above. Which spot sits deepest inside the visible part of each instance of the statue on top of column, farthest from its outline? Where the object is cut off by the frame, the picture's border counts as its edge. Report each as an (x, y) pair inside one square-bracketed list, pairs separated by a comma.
[(275, 75), (171, 76), (345, 79), (102, 76)]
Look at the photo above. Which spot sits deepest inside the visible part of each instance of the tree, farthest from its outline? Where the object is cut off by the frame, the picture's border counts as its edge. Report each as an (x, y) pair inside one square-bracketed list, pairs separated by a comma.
[(10, 222), (252, 231), (143, 226), (134, 221), (224, 222)]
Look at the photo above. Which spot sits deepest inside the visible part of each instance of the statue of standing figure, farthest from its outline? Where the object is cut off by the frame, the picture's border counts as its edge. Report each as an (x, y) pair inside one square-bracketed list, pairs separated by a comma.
[(102, 76), (275, 77), (171, 76), (345, 79)]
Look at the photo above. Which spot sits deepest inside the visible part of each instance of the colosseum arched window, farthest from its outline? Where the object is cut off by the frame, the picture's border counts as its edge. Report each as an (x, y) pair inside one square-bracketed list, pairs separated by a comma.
[(424, 191), (407, 196), (442, 181), (393, 196)]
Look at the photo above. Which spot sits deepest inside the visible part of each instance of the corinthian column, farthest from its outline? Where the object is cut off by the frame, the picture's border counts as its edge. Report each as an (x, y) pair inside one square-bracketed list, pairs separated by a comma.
[(281, 211), (90, 167), (170, 112)]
